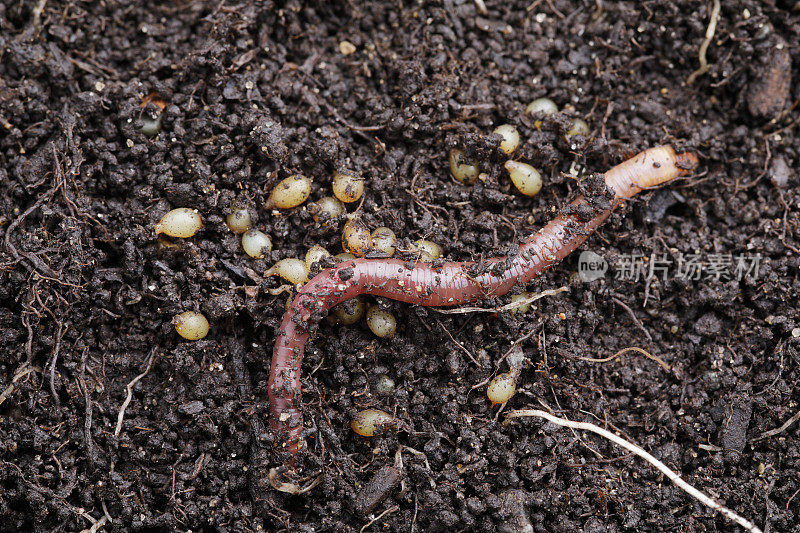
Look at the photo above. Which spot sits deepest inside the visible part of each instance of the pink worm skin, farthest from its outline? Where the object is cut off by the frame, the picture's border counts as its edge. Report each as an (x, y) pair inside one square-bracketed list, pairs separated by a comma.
[(446, 285)]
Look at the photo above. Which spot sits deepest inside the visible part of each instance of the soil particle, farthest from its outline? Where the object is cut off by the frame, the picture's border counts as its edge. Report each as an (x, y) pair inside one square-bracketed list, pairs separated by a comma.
[(377, 489), (513, 513), (780, 172), (709, 325), (734, 426), (770, 89)]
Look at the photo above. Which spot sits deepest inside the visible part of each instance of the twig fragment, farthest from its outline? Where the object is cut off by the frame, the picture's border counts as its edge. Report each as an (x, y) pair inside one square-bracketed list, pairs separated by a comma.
[(387, 511), (23, 371), (633, 448), (54, 362), (633, 317), (778, 431), (469, 354), (645, 353)]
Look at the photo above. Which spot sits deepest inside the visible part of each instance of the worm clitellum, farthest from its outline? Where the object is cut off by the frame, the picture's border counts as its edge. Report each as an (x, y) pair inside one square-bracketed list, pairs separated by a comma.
[(448, 284)]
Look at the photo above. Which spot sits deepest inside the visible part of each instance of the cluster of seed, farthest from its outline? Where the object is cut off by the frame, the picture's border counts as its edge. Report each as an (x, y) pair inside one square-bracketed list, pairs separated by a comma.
[(526, 178), (183, 223), (357, 241)]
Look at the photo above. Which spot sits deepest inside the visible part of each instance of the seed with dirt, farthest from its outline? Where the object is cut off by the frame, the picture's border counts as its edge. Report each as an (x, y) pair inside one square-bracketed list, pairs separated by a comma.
[(356, 238), (239, 221), (347, 187), (289, 193), (502, 387), (383, 239), (151, 126), (543, 106), (462, 169), (525, 178), (381, 323), (256, 243), (344, 256), (579, 127), (291, 269), (315, 254), (191, 325), (350, 312), (369, 422), (510, 137), (181, 222), (384, 385), (326, 209), (428, 250), (522, 308)]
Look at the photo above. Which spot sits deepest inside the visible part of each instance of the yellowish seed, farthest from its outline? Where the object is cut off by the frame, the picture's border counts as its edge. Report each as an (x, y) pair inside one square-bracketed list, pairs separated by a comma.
[(291, 269), (522, 308), (315, 254), (256, 243), (344, 256), (347, 187), (543, 106), (428, 250), (356, 238), (380, 322), (510, 136), (579, 127), (181, 222), (326, 209), (462, 169), (502, 387), (350, 312), (289, 193), (371, 421), (383, 239), (191, 325), (526, 179), (239, 221)]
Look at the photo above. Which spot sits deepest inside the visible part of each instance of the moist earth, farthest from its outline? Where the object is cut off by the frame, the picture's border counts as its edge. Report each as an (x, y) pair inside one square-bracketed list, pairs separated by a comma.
[(113, 113)]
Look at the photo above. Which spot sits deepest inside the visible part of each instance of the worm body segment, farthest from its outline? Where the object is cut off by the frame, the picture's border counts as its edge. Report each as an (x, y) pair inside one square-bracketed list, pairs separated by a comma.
[(451, 284)]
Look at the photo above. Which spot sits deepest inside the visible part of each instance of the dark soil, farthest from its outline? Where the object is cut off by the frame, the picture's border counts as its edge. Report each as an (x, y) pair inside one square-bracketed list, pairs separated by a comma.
[(254, 93)]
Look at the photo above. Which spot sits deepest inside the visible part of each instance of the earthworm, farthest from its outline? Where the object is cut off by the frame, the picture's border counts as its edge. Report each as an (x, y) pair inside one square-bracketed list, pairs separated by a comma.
[(446, 284)]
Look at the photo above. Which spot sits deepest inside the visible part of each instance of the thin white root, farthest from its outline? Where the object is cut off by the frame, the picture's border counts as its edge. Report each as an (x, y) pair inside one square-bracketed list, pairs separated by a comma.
[(96, 524), (398, 460), (712, 28), (128, 398), (778, 431), (22, 371), (387, 511), (645, 353), (664, 469), (506, 307), (37, 13)]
